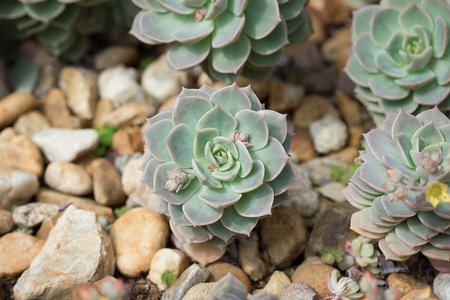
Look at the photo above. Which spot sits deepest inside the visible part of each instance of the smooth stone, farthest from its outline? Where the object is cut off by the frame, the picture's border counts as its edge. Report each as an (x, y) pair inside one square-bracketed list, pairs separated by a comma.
[(79, 291), (80, 87), (349, 108), (131, 114), (76, 240), (103, 108), (333, 191), (347, 155), (57, 111), (316, 276), (328, 134), (284, 96), (441, 285), (299, 291), (68, 178), (49, 196), (418, 294), (30, 123), (107, 183), (319, 169), (249, 257), (310, 260), (114, 55), (312, 108), (136, 236), (32, 214), (199, 291), (128, 140), (66, 144), (405, 283), (14, 105), (6, 222), (167, 259), (17, 251), (283, 236), (331, 11), (193, 275), (49, 73), (131, 176), (47, 225), (122, 160), (277, 283), (218, 270), (19, 151), (259, 87), (16, 187), (302, 145)]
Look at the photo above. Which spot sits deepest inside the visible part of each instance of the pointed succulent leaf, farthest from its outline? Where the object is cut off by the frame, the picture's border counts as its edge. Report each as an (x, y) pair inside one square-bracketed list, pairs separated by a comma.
[(365, 51), (177, 215), (272, 42), (245, 159), (220, 119), (255, 125), (161, 26), (251, 181), (384, 24), (231, 98), (440, 37), (280, 184), (176, 6), (260, 20), (276, 124), (204, 174), (432, 93), (388, 253), (215, 9), (229, 287), (439, 68), (273, 157), (356, 72), (11, 9), (433, 115), (362, 20), (220, 231), (385, 87), (413, 15), (180, 144), (221, 197), (200, 213), (192, 32), (385, 65), (227, 30), (155, 136), (231, 58), (181, 56), (233, 221), (189, 110), (256, 203), (149, 172), (417, 79), (409, 238), (398, 246), (433, 221), (227, 175)]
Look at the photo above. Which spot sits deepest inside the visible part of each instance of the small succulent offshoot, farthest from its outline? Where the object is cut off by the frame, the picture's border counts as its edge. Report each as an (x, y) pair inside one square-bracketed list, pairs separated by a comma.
[(329, 255), (368, 284), (111, 289), (361, 252), (342, 289)]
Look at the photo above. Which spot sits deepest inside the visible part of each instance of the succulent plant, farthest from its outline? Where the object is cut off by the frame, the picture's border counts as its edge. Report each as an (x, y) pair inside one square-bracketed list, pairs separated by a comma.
[(342, 289), (402, 187), (229, 287), (218, 163), (227, 37), (368, 284), (401, 53), (357, 4), (110, 288), (362, 252), (62, 26), (329, 255)]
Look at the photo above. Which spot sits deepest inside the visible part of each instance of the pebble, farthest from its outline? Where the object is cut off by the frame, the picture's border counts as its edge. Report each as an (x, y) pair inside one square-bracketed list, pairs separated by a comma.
[(328, 134), (49, 196), (319, 33), (299, 291), (283, 236), (17, 251), (218, 270), (277, 283), (259, 87), (14, 105), (136, 236), (66, 144), (331, 11), (103, 108), (30, 123), (114, 55), (107, 183), (169, 103), (249, 258), (349, 108), (16, 187), (418, 294), (302, 196), (199, 291), (131, 176), (405, 283), (128, 140), (47, 225), (320, 171), (333, 191), (312, 108), (347, 155), (6, 222), (441, 285), (130, 114), (284, 96), (193, 275), (32, 214), (56, 109), (163, 260), (302, 145), (355, 137), (49, 72), (19, 151), (80, 87), (76, 240), (338, 48), (310, 260), (68, 178), (316, 276)]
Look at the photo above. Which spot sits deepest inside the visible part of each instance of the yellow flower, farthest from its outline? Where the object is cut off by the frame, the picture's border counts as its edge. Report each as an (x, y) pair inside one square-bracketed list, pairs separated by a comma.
[(437, 192)]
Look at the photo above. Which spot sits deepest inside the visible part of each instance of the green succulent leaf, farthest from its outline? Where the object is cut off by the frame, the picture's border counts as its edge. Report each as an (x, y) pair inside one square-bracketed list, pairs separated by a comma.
[(261, 19), (233, 221), (273, 157), (189, 110), (256, 203), (220, 119), (384, 24), (251, 181), (200, 213)]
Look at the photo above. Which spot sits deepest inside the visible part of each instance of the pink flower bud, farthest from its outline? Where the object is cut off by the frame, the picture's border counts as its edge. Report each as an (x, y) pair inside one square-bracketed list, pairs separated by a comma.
[(389, 186), (394, 174), (400, 193), (436, 156)]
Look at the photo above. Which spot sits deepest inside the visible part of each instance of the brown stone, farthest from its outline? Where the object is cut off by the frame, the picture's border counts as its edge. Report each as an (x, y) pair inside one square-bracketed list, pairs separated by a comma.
[(332, 11), (107, 183), (17, 251), (284, 96), (312, 108), (249, 258), (349, 108), (338, 48), (20, 152), (259, 87), (405, 283), (103, 108), (13, 105), (302, 145), (129, 115), (355, 137), (219, 270), (119, 54), (56, 109), (49, 196), (319, 34), (47, 226), (128, 140), (86, 162), (168, 103), (6, 221), (419, 294), (347, 154), (30, 123), (316, 276)]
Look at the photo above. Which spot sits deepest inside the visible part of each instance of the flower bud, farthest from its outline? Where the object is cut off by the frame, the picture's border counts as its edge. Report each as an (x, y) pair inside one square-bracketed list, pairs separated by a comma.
[(400, 193), (389, 186), (394, 174), (171, 185), (436, 156)]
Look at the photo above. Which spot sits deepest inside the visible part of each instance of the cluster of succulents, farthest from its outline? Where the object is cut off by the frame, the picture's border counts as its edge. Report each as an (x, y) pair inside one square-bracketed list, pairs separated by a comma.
[(401, 53), (344, 288), (62, 26), (369, 285), (226, 38), (229, 287), (218, 163), (361, 252), (329, 255), (110, 288), (402, 187)]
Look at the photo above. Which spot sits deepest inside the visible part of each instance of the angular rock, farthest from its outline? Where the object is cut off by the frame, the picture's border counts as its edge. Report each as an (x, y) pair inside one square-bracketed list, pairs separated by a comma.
[(193, 275), (167, 259), (76, 240), (68, 178), (299, 291), (57, 111), (199, 291), (249, 258), (48, 196), (333, 191), (218, 270), (47, 225), (328, 134), (136, 236), (66, 144), (129, 115), (115, 55), (312, 108), (347, 155), (6, 222), (405, 283), (17, 251), (30, 123), (16, 187), (128, 140), (103, 108), (283, 236), (79, 86), (32, 214), (441, 285), (107, 183), (131, 176), (284, 96), (13, 105), (19, 151), (302, 145), (277, 283), (316, 276)]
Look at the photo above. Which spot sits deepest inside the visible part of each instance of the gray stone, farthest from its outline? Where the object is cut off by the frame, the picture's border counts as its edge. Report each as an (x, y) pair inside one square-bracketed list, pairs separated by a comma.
[(32, 214), (68, 178), (66, 144), (6, 221), (319, 169), (333, 191), (328, 134), (77, 251), (441, 286), (16, 187), (193, 275), (299, 291)]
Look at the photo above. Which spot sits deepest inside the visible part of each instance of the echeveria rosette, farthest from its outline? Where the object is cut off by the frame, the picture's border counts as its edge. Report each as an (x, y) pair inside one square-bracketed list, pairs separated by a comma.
[(404, 160), (227, 37), (401, 54), (218, 163)]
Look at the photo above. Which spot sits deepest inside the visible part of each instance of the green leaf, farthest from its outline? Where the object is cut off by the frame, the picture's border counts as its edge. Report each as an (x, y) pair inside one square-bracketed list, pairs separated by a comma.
[(168, 277), (23, 76), (120, 211)]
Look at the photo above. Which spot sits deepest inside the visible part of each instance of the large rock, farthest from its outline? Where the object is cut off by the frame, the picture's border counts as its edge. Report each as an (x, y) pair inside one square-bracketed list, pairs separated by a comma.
[(136, 236), (68, 178), (66, 144), (13, 105), (441, 285), (16, 187), (77, 251), (107, 183)]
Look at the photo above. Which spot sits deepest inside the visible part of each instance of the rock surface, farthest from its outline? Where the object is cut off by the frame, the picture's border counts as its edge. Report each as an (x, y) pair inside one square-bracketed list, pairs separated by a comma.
[(77, 251), (249, 258), (131, 176), (13, 105), (32, 214), (57, 111), (441, 285), (299, 291), (328, 134), (30, 123), (405, 283), (107, 183), (218, 270), (129, 114), (316, 276), (166, 259), (193, 275), (277, 283), (113, 55), (16, 187), (312, 108), (6, 222), (333, 191), (199, 291), (68, 178)]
